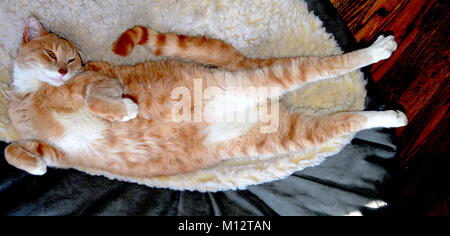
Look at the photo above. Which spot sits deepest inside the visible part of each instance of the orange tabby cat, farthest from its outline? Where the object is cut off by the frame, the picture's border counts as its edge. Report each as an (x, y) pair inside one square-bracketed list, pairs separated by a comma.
[(117, 120)]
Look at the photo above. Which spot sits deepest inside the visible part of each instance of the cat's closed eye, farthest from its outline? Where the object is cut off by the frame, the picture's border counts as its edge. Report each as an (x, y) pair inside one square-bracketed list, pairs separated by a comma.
[(51, 54), (71, 60)]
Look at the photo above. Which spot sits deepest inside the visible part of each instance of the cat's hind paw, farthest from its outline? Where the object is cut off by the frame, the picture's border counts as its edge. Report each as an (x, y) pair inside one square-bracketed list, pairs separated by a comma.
[(385, 119), (383, 48), (398, 119)]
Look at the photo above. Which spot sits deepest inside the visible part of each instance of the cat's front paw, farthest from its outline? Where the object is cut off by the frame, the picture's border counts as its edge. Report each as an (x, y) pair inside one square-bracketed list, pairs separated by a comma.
[(40, 168), (131, 110), (383, 48), (22, 159)]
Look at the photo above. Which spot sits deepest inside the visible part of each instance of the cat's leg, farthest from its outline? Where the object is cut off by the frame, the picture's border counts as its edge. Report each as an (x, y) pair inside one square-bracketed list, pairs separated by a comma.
[(330, 67), (34, 156), (298, 72), (203, 50), (219, 53), (299, 132), (104, 99)]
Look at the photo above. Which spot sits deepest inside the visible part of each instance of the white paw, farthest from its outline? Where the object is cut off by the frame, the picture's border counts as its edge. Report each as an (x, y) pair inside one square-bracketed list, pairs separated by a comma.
[(132, 110), (383, 48), (386, 119), (41, 168), (398, 119)]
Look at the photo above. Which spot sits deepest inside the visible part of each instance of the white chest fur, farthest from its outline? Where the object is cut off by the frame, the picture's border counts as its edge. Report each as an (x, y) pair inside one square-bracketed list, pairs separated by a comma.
[(81, 130)]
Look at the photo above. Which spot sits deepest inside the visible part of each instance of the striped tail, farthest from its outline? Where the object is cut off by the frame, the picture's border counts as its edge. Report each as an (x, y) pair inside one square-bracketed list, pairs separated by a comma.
[(199, 49), (137, 35), (203, 50)]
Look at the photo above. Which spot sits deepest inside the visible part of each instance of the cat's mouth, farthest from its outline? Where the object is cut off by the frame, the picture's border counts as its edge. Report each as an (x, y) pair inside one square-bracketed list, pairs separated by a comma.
[(57, 81)]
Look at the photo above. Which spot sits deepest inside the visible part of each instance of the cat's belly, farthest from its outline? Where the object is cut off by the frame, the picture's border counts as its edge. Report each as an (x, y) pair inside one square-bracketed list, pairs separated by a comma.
[(81, 131)]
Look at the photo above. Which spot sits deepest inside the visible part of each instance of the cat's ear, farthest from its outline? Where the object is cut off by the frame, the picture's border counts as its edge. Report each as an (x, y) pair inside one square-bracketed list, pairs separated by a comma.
[(33, 29)]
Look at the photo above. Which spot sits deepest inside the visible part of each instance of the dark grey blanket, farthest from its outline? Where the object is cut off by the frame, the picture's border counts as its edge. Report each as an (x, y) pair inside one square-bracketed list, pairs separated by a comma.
[(357, 180)]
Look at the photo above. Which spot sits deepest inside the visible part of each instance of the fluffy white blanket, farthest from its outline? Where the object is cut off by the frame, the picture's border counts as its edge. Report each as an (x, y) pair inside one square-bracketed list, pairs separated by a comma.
[(258, 28)]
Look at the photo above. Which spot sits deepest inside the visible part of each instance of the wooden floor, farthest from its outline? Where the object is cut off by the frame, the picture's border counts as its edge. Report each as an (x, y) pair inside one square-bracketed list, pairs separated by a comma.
[(417, 77)]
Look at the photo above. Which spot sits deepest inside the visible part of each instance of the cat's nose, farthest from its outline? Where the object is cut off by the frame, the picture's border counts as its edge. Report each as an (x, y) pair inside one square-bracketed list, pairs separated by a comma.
[(62, 71)]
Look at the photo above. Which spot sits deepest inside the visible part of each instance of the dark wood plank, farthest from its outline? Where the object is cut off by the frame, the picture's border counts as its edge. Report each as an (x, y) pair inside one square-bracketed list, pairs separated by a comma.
[(416, 76), (423, 187)]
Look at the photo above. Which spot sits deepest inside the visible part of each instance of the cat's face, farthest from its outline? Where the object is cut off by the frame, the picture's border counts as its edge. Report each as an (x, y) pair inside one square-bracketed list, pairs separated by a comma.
[(45, 56)]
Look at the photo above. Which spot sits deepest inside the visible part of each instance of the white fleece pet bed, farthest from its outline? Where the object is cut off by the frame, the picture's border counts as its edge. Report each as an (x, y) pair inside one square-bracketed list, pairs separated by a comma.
[(257, 28)]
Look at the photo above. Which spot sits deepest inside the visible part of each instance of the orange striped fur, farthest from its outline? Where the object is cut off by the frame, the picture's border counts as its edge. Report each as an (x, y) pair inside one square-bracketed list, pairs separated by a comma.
[(196, 49), (117, 119)]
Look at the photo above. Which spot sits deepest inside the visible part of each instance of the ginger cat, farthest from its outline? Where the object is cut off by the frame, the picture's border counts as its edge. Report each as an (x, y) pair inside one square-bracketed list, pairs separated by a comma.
[(117, 120)]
